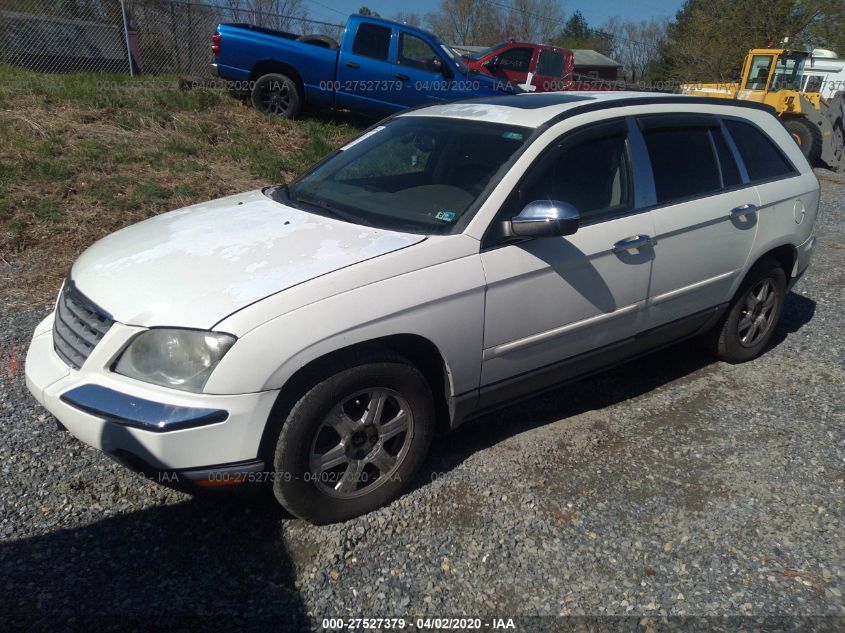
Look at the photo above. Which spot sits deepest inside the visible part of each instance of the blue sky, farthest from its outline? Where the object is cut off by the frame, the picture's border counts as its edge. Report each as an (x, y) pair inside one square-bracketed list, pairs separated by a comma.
[(596, 11)]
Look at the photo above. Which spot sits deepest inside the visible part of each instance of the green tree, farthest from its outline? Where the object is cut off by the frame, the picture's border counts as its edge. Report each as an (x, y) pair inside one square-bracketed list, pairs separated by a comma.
[(708, 39), (368, 11), (577, 33)]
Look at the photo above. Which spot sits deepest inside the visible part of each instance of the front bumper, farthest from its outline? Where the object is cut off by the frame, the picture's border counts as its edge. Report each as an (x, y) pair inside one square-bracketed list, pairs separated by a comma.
[(139, 424)]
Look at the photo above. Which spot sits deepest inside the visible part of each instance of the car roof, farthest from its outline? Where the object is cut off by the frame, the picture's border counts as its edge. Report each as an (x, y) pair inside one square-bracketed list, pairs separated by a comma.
[(538, 109)]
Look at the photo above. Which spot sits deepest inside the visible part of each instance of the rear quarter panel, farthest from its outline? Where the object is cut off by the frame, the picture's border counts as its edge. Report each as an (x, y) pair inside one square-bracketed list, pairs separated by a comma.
[(788, 206)]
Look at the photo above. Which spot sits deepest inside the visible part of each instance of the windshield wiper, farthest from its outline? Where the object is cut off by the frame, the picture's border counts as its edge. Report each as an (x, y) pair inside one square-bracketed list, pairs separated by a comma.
[(338, 214)]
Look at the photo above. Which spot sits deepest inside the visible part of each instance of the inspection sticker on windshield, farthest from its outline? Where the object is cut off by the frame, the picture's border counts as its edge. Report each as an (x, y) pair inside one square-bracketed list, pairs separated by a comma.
[(362, 137), (513, 136), (446, 216)]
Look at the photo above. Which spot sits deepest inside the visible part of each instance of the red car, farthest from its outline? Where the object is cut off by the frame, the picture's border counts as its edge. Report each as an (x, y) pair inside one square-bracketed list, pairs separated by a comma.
[(534, 67)]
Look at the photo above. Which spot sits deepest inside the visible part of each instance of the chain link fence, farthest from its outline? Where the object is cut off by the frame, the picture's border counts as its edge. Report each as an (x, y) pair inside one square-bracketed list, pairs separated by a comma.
[(128, 36)]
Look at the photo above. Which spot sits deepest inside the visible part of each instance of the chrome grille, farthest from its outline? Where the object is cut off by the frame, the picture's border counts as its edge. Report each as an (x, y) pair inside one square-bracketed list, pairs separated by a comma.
[(78, 326)]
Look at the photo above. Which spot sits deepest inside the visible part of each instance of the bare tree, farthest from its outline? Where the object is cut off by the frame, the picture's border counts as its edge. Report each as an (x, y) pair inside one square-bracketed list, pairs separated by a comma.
[(635, 45), (466, 22), (284, 15), (534, 20), (411, 19)]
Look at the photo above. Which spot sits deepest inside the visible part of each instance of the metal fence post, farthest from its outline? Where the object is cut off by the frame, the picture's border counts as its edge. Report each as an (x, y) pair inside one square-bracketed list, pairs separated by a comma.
[(126, 37)]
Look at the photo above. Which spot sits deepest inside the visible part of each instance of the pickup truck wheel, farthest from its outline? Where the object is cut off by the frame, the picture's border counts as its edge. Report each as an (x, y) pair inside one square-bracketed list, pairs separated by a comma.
[(354, 440), (753, 314), (277, 94)]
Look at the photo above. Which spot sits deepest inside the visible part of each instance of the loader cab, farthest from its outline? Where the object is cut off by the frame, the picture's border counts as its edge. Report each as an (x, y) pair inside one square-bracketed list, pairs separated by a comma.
[(772, 70)]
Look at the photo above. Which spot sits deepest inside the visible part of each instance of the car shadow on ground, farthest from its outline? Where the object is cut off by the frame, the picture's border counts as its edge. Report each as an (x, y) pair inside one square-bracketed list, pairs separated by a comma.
[(208, 563), (598, 391)]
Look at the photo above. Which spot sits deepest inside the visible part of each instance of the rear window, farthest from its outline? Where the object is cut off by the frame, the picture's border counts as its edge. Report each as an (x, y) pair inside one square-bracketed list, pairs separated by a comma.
[(550, 64), (372, 40), (683, 162), (763, 160)]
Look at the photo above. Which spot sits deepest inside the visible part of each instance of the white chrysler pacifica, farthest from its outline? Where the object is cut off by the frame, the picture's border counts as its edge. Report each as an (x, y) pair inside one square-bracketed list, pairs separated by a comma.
[(448, 260)]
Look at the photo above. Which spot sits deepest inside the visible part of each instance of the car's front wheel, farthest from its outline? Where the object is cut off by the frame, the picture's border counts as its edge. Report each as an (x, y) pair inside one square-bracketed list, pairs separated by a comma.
[(753, 314), (354, 440)]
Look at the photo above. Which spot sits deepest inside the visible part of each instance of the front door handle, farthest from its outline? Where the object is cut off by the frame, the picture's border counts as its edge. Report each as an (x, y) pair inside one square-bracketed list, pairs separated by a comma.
[(352, 65), (741, 212), (402, 76), (631, 243)]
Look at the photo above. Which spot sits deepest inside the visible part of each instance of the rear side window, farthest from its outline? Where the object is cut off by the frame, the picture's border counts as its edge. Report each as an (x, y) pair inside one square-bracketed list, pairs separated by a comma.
[(372, 40), (730, 172), (763, 160), (516, 60), (683, 162), (550, 64)]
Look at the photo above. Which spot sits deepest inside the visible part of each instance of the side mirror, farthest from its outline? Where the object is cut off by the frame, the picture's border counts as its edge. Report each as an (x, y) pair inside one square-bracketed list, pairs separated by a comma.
[(545, 218)]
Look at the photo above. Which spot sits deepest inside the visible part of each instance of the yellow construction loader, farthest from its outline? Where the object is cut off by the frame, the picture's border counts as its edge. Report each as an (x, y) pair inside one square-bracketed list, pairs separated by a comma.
[(773, 76)]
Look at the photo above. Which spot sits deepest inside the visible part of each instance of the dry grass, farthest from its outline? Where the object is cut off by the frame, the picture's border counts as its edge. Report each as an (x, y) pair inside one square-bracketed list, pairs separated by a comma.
[(84, 155)]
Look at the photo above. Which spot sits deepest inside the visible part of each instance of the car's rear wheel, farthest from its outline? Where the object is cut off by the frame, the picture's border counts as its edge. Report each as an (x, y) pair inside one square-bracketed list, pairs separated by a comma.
[(277, 94), (753, 314), (354, 440)]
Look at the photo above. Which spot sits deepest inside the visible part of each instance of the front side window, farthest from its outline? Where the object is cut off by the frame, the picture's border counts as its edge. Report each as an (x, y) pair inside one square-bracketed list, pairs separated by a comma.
[(682, 161), (413, 173), (763, 160), (372, 40), (416, 53), (550, 63), (592, 175), (758, 74), (517, 60)]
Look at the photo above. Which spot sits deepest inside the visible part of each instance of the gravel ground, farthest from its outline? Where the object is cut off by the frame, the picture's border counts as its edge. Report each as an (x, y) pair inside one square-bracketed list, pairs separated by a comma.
[(670, 486)]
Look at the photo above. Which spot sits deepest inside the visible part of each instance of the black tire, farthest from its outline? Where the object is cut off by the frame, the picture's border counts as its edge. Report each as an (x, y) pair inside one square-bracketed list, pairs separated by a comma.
[(734, 340), (277, 94), (309, 433), (319, 40), (807, 136)]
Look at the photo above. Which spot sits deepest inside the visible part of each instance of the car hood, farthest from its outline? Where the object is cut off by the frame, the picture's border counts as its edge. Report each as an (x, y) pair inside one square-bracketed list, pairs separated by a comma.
[(195, 266)]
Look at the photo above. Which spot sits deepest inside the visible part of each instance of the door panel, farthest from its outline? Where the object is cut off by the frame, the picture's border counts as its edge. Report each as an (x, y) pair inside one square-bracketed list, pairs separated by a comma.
[(704, 233), (552, 298), (699, 250), (365, 77)]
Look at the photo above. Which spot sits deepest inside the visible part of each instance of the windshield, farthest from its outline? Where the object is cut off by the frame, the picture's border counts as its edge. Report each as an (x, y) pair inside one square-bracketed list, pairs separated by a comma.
[(476, 56), (788, 71), (453, 55), (414, 173)]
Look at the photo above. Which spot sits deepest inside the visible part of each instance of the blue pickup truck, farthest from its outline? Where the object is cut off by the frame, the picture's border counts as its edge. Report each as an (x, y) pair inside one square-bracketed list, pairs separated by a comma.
[(379, 67)]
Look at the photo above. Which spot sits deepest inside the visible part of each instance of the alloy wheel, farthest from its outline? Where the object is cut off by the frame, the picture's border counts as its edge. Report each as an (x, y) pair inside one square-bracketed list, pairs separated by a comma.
[(758, 313), (361, 443)]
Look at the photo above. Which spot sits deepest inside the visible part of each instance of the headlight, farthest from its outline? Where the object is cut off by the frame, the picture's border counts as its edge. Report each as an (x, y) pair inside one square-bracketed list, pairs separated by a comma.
[(179, 359)]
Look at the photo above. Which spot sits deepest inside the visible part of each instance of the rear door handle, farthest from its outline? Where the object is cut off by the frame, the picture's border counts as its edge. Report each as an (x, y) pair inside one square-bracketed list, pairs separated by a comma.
[(352, 65), (631, 243), (402, 76), (741, 212)]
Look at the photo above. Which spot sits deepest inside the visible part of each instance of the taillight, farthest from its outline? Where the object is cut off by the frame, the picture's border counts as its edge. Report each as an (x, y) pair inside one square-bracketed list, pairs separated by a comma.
[(215, 44)]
